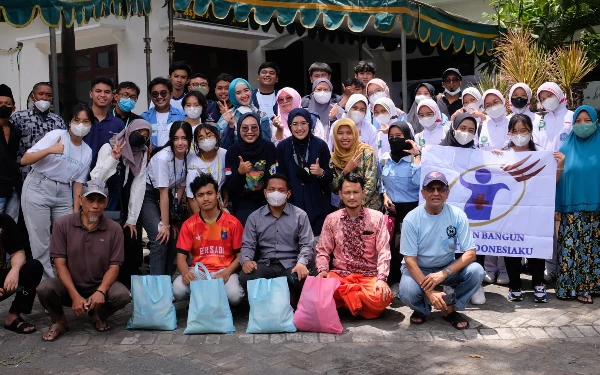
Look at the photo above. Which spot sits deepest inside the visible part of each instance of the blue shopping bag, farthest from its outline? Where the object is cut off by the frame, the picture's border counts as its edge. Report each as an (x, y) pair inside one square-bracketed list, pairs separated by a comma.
[(209, 307), (152, 303), (270, 309)]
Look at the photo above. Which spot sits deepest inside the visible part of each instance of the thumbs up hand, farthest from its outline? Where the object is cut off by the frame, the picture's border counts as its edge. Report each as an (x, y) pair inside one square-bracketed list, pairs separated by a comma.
[(57, 148), (245, 166), (315, 169)]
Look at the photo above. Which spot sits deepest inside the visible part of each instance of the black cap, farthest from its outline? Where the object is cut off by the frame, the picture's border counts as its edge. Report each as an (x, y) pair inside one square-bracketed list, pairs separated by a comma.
[(6, 91), (435, 176), (451, 70)]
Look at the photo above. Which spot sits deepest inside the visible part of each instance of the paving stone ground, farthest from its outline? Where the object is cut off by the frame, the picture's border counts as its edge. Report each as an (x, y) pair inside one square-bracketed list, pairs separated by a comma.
[(525, 338)]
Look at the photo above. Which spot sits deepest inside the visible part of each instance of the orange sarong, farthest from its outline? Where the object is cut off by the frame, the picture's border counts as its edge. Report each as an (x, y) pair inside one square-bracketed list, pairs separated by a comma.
[(357, 293)]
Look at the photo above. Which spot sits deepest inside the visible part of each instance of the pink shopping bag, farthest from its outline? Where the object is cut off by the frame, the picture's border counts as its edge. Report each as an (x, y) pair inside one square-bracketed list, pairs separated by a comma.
[(316, 309)]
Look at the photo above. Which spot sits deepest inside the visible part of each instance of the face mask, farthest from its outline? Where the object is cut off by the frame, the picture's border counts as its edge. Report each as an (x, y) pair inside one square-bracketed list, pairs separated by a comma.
[(136, 139), (276, 198), (356, 116), (193, 112), (550, 104), (584, 130), (208, 144), (5, 111), (452, 93), (418, 98), (463, 137), (496, 111), (322, 97), (518, 103), (80, 130), (377, 95), (520, 140), (42, 105), (471, 107), (427, 122), (126, 104), (201, 90), (383, 118)]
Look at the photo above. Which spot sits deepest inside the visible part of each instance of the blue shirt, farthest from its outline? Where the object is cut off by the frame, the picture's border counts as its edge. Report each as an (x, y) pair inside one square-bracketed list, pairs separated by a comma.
[(175, 114), (101, 133), (433, 239), (400, 181), (212, 112)]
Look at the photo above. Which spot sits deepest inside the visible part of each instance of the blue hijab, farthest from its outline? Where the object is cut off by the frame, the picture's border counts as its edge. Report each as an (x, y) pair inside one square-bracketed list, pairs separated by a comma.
[(578, 189), (231, 90)]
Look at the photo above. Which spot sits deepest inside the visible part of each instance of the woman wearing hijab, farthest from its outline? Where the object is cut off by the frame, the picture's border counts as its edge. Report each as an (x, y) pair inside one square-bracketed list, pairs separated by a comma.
[(248, 165), (400, 171), (520, 101), (462, 133), (378, 89), (551, 129), (319, 103), (356, 110), (127, 156), (472, 103), (352, 155), (240, 95), (288, 99), (430, 118), (578, 202), (304, 158), (423, 91)]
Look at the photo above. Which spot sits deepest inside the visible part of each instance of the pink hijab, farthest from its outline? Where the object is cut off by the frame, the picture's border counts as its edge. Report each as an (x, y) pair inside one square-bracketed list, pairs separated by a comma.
[(296, 102)]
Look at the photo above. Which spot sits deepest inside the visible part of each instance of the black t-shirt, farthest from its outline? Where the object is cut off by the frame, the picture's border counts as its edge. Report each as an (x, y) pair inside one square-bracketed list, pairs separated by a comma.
[(10, 238), (447, 108)]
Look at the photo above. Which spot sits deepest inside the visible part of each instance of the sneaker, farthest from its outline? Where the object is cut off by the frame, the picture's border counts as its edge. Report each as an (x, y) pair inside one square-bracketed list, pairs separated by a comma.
[(395, 289), (502, 279), (479, 297), (540, 295), (515, 295), (490, 277)]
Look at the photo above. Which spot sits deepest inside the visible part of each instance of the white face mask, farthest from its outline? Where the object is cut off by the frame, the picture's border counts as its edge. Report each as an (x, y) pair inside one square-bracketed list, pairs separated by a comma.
[(471, 107), (276, 198), (520, 140), (80, 130), (452, 93), (383, 118), (208, 144), (42, 105), (496, 111), (550, 104), (428, 122), (375, 96), (418, 98), (193, 112), (463, 137), (356, 116), (322, 97)]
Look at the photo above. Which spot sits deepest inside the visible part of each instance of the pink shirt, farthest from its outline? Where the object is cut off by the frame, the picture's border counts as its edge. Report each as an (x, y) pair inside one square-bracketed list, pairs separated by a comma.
[(359, 246)]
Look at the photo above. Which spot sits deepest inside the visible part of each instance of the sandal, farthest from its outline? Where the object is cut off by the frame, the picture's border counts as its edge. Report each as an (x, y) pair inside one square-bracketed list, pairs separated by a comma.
[(19, 326), (104, 326), (585, 301), (57, 330), (417, 318), (455, 319)]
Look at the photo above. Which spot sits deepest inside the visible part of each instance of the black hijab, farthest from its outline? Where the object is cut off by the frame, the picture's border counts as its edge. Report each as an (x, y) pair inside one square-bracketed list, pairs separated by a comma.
[(450, 140), (411, 116), (254, 149), (399, 146)]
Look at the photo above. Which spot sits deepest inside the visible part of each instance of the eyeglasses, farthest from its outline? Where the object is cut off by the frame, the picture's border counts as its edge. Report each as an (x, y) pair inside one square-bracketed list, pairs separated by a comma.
[(424, 115), (162, 93), (303, 124), (520, 132), (493, 104), (439, 189), (245, 129), (284, 100), (451, 80), (127, 96), (195, 84)]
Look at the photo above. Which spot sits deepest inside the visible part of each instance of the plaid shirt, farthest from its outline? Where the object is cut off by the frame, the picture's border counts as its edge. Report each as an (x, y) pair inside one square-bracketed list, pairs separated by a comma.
[(34, 126)]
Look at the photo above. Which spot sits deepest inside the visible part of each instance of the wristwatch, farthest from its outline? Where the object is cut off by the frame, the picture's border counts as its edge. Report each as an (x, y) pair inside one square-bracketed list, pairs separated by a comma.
[(448, 271)]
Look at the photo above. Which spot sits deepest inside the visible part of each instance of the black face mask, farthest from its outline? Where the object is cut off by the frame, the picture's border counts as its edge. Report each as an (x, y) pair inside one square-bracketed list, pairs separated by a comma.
[(5, 111), (136, 139), (519, 102)]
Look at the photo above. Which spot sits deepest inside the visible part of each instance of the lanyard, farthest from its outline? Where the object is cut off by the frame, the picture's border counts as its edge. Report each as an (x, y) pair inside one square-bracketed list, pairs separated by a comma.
[(218, 166), (126, 122)]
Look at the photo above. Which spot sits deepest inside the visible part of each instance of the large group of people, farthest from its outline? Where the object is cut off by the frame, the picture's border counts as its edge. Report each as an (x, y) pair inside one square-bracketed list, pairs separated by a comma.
[(263, 183)]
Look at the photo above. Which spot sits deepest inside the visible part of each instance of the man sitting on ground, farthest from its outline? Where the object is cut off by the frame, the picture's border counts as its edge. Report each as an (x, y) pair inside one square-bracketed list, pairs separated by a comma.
[(359, 241), (87, 249), (214, 238), (277, 239), (431, 233)]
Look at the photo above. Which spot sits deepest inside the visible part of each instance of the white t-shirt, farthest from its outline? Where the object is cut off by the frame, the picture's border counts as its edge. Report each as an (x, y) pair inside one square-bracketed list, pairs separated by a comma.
[(162, 172), (196, 166), (160, 130), (72, 165), (493, 134), (266, 103)]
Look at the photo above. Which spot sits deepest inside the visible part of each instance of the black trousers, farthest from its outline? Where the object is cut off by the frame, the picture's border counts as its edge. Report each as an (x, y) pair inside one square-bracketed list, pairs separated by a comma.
[(402, 209), (271, 271), (30, 276), (134, 256), (513, 268)]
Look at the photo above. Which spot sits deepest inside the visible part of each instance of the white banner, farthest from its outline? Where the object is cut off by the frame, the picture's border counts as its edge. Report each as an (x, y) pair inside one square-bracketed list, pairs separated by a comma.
[(509, 198)]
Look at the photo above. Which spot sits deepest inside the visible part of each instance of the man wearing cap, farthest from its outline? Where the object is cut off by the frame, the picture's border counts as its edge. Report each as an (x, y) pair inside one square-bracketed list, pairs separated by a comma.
[(431, 233), (450, 101), (87, 249)]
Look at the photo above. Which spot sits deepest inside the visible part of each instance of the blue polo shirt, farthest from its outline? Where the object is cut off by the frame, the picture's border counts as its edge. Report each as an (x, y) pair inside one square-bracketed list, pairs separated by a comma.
[(400, 181), (101, 133)]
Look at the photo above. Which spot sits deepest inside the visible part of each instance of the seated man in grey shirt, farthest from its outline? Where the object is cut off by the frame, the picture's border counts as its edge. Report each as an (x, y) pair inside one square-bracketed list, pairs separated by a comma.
[(277, 240)]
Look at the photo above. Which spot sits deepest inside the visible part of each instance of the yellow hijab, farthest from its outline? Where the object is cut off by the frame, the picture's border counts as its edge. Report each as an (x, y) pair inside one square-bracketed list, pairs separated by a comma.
[(341, 157)]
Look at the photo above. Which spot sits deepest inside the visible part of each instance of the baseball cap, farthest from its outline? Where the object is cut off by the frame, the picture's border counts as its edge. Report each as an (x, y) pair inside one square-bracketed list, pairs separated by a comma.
[(94, 187), (435, 176), (451, 70)]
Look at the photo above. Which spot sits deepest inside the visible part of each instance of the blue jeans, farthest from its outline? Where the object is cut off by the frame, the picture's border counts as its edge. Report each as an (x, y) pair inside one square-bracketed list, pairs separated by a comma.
[(10, 206), (466, 282)]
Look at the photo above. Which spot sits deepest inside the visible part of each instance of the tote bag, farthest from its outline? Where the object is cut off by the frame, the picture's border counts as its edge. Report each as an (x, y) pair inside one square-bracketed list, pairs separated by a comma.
[(152, 303), (270, 309), (209, 307), (316, 310)]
